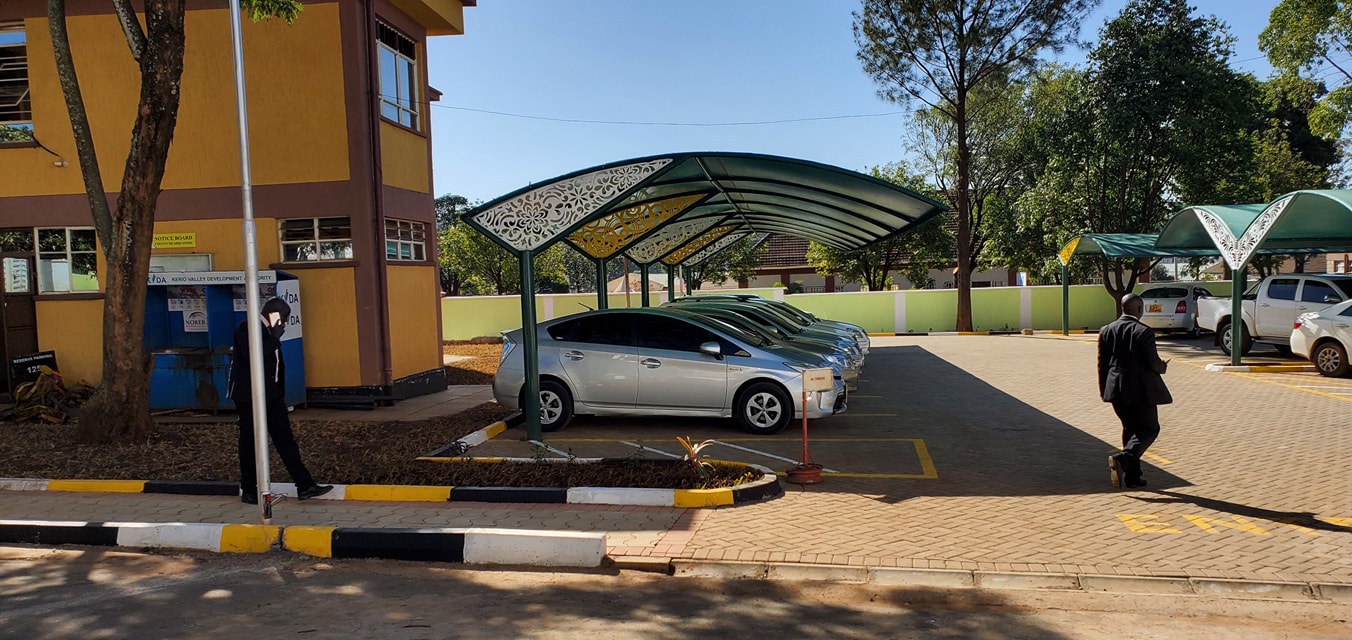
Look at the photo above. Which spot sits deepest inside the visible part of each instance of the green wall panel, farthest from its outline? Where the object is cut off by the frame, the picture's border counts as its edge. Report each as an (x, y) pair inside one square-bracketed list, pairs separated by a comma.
[(872, 311)]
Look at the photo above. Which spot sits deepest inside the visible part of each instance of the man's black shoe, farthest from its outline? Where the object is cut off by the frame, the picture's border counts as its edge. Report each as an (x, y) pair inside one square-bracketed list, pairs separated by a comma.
[(313, 491), (1135, 484), (248, 498)]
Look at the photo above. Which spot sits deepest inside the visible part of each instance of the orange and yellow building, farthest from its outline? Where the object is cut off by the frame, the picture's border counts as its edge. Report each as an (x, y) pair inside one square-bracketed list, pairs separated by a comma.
[(340, 143)]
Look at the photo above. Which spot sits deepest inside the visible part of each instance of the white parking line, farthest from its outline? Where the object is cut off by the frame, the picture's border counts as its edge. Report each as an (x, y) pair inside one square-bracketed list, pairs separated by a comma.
[(562, 453), (644, 447), (768, 455)]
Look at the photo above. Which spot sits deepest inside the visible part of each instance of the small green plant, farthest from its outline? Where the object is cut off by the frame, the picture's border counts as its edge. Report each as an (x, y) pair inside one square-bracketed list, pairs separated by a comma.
[(698, 464)]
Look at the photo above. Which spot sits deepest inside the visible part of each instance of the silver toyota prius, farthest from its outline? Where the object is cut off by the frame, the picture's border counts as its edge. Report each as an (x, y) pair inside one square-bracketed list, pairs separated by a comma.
[(650, 361)]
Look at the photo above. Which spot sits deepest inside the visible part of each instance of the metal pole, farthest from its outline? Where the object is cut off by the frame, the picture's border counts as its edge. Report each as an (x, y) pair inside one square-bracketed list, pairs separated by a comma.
[(529, 348), (602, 296), (1237, 312), (1065, 299), (671, 283), (643, 285), (252, 312)]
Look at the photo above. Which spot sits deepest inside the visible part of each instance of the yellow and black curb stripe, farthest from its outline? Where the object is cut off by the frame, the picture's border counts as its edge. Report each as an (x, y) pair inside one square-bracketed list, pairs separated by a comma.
[(766, 487), (1261, 368), (466, 545), (463, 445)]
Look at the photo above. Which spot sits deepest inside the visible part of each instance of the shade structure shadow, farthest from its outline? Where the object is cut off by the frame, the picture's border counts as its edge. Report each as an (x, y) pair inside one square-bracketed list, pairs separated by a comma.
[(917, 426), (983, 441)]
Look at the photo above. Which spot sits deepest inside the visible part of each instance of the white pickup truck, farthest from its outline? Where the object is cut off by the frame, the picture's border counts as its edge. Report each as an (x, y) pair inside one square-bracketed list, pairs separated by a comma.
[(1270, 308)]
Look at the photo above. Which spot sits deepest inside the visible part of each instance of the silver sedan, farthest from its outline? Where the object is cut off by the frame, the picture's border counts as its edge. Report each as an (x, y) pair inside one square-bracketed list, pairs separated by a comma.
[(655, 362)]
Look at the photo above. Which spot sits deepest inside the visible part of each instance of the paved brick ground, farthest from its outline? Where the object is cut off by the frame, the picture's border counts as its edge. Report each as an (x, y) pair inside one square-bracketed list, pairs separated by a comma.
[(1248, 480)]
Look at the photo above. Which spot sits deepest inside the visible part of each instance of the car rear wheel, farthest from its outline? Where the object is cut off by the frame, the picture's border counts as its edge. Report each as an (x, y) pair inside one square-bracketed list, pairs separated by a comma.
[(1331, 359), (556, 405), (1245, 340), (763, 409)]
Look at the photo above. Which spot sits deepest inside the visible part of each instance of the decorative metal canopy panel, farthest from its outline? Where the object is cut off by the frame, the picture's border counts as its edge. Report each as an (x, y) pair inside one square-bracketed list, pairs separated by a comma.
[(668, 239), (723, 243), (837, 207), (607, 236), (538, 216), (681, 253)]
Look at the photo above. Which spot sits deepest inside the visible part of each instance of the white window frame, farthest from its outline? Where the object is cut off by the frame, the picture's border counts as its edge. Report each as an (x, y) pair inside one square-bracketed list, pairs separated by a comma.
[(318, 245), (56, 267), (405, 240), (14, 91), (397, 57), (179, 262)]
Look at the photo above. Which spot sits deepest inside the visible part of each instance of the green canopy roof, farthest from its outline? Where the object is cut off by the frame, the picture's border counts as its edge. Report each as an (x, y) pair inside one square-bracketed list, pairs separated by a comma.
[(672, 208), (1123, 245), (1298, 222)]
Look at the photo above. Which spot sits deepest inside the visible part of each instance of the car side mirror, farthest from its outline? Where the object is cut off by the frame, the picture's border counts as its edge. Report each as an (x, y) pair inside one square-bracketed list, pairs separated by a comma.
[(711, 349), (1332, 299)]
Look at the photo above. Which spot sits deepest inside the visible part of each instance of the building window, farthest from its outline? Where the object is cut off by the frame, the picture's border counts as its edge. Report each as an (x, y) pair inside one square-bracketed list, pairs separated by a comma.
[(67, 259), (1340, 266), (398, 76), (16, 110), (180, 262), (308, 239), (405, 240)]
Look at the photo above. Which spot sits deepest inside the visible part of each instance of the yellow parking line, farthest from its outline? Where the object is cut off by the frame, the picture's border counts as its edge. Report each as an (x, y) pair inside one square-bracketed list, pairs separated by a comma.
[(1159, 459), (1289, 386)]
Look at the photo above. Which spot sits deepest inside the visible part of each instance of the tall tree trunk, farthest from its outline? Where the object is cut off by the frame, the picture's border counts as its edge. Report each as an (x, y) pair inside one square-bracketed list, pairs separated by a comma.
[(120, 409), (964, 235)]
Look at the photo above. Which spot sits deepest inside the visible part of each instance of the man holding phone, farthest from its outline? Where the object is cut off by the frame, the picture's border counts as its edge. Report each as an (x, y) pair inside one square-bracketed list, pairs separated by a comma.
[(1130, 377), (276, 313)]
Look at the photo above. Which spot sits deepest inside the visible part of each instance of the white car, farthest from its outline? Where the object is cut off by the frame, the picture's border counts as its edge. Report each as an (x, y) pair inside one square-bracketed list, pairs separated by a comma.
[(1322, 337), (1172, 307)]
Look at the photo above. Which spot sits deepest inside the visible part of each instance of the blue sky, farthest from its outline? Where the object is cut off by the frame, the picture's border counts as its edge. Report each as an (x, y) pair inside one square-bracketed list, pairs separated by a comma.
[(694, 62)]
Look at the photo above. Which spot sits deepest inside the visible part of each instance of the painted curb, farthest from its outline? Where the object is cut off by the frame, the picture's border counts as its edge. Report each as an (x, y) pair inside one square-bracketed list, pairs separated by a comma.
[(767, 487), (463, 445), (963, 579), (463, 545), (993, 332), (1256, 368)]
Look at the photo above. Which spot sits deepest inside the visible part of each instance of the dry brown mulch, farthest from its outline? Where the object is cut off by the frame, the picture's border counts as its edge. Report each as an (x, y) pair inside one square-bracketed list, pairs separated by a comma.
[(479, 369), (341, 452)]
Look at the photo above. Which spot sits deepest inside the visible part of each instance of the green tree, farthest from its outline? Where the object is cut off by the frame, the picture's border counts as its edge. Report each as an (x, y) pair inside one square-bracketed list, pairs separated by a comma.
[(15, 134), (119, 410), (484, 268), (938, 52), (736, 262), (448, 209), (1158, 120), (913, 252), (579, 270), (1312, 37)]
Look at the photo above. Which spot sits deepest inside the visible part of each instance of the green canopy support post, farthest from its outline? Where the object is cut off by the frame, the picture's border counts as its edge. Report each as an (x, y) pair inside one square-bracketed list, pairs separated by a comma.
[(1237, 313), (1065, 299), (529, 349), (643, 285), (672, 294), (602, 296)]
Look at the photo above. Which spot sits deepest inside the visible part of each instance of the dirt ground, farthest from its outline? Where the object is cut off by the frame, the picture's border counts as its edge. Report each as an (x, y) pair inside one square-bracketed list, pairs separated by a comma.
[(94, 593)]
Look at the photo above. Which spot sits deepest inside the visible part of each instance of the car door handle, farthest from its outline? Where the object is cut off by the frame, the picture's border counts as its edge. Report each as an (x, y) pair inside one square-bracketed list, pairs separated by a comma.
[(1301, 308), (1265, 305), (574, 355), (1341, 325), (651, 363)]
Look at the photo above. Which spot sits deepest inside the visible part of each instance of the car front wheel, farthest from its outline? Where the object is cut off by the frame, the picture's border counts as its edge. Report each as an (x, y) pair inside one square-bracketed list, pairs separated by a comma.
[(1331, 359), (763, 409)]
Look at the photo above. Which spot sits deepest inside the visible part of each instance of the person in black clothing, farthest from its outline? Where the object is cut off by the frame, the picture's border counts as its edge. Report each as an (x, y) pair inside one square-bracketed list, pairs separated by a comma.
[(1129, 373), (276, 313)]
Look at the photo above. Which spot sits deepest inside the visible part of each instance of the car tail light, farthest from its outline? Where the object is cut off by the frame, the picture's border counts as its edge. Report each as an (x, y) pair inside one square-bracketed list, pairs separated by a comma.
[(1182, 307), (1295, 326)]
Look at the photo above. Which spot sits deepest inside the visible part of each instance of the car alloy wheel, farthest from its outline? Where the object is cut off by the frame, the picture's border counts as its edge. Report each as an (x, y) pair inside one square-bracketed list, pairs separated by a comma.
[(1331, 359), (763, 408), (556, 405)]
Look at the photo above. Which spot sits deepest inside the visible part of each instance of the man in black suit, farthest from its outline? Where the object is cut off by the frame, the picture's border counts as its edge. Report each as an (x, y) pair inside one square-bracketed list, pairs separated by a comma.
[(1129, 373), (276, 313)]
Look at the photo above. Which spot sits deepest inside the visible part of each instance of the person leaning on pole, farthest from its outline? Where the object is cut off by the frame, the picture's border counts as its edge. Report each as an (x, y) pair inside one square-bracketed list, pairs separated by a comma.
[(276, 313), (1130, 374)]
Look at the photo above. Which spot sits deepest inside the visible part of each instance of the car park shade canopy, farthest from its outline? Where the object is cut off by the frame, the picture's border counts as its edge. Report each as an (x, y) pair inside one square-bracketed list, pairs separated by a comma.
[(682, 208), (1123, 245), (1318, 221)]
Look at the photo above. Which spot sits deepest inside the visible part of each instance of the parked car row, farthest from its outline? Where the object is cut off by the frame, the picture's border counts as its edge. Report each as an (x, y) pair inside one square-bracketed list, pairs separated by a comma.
[(717, 356)]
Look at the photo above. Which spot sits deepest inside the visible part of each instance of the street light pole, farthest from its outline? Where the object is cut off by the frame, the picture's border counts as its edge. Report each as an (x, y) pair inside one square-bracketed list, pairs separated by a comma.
[(252, 314)]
